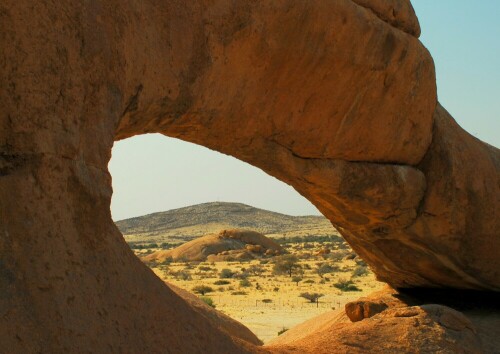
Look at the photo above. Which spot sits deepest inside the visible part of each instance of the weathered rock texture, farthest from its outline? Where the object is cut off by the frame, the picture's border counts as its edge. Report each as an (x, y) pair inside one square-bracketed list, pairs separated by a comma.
[(223, 246), (403, 323), (336, 98), (217, 318)]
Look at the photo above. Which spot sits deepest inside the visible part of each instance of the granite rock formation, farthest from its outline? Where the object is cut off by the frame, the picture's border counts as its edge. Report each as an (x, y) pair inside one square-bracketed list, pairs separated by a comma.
[(400, 323), (336, 98), (223, 246)]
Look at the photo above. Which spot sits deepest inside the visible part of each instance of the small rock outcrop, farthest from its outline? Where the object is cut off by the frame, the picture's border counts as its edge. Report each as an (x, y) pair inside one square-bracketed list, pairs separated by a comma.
[(224, 246), (390, 322)]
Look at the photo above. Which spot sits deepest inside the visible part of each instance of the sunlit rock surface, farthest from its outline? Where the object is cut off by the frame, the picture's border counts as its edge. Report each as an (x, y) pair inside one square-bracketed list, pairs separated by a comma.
[(336, 98)]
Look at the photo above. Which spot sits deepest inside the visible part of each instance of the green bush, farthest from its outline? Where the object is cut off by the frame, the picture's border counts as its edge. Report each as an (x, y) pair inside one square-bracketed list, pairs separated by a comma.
[(226, 273), (239, 292), (222, 282), (202, 289), (281, 331), (360, 271), (255, 269), (207, 301), (245, 283), (324, 268), (346, 285), (312, 297), (204, 268), (182, 274), (287, 264), (296, 279)]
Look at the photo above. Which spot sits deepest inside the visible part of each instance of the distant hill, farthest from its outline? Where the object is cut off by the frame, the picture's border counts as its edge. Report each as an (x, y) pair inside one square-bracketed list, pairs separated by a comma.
[(184, 224)]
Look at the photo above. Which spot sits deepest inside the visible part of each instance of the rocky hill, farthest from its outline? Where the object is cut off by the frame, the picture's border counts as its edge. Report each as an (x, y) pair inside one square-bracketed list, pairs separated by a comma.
[(190, 222)]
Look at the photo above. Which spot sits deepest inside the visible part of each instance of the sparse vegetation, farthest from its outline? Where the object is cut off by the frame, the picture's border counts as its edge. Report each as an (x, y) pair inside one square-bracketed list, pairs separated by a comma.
[(226, 273), (296, 279), (325, 268), (207, 300), (360, 271), (312, 297), (202, 289), (312, 239), (287, 264), (346, 285), (245, 283), (182, 275), (281, 331), (255, 269), (204, 268), (273, 284), (222, 282), (239, 292)]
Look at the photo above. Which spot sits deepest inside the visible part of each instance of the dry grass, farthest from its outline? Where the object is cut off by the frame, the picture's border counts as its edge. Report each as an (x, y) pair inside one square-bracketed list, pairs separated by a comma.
[(266, 302)]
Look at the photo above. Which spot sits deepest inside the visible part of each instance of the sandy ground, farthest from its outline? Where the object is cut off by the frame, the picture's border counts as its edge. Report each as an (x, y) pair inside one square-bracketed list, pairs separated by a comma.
[(270, 303)]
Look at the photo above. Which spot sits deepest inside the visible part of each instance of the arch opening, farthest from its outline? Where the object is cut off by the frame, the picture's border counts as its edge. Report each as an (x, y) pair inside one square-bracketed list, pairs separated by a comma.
[(240, 276)]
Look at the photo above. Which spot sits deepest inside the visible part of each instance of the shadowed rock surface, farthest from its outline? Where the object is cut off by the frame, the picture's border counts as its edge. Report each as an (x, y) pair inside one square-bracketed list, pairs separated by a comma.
[(336, 98), (408, 323), (226, 245), (217, 318)]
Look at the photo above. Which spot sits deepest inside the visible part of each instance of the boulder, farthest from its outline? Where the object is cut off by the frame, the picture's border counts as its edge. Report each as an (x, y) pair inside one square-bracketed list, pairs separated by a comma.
[(359, 310), (406, 324)]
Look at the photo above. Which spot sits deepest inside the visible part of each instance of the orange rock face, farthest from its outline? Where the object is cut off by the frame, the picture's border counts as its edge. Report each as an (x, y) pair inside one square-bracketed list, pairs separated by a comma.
[(336, 98), (401, 324)]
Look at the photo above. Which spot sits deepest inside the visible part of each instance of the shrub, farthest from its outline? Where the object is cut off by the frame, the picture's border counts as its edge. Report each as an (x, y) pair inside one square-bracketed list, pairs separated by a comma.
[(182, 274), (202, 289), (312, 297), (267, 301), (324, 268), (286, 264), (167, 261), (281, 331), (204, 268), (208, 301), (360, 271), (239, 292), (308, 281), (245, 283), (346, 285), (242, 275), (255, 269), (360, 262), (222, 282), (296, 279), (226, 273)]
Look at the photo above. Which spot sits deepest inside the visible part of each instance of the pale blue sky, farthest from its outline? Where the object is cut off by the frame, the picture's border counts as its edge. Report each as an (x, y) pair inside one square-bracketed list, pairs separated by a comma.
[(154, 173)]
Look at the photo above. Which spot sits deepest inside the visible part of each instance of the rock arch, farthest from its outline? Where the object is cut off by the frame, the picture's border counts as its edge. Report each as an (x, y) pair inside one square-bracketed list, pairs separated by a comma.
[(336, 98)]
